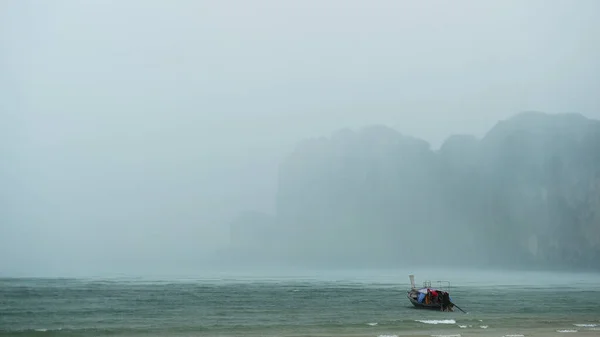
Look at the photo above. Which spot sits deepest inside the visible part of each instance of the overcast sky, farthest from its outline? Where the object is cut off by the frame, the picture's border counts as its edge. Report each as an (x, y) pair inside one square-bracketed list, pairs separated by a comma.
[(137, 128)]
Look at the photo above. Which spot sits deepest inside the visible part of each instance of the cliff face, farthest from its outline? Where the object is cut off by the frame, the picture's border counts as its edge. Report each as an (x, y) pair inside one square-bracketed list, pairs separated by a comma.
[(526, 194), (542, 171)]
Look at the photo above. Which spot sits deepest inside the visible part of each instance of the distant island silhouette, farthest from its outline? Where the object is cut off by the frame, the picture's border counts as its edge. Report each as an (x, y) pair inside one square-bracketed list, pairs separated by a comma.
[(527, 194)]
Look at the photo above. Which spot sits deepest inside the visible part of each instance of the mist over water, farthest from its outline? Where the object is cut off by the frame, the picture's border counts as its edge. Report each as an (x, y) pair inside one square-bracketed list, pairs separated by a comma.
[(279, 168), (133, 134), (397, 278)]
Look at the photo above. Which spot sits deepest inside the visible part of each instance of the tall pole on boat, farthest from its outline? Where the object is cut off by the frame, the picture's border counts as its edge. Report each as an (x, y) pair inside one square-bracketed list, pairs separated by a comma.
[(412, 281)]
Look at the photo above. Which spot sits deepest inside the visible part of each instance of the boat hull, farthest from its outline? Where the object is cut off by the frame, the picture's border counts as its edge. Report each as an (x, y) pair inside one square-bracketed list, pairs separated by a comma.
[(413, 295), (431, 306)]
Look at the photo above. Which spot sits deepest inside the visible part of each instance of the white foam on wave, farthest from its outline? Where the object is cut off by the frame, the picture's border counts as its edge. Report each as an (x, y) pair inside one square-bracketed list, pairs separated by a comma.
[(566, 331), (387, 336), (513, 336), (586, 325), (483, 326), (41, 330), (462, 326), (437, 321), (446, 335), (372, 324)]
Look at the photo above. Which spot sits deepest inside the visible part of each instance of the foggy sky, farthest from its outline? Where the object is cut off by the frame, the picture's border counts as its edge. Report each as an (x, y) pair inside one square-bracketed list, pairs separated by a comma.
[(133, 130)]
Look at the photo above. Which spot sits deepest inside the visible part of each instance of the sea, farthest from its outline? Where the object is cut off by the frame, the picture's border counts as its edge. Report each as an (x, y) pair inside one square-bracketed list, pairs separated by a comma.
[(319, 303)]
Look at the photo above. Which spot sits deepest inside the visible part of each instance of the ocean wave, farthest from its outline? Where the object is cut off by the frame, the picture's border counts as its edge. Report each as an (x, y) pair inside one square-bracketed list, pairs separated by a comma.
[(35, 330), (437, 321)]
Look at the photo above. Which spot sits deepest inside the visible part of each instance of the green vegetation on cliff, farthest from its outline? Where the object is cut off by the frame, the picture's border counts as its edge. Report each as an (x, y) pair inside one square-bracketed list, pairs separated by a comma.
[(527, 194)]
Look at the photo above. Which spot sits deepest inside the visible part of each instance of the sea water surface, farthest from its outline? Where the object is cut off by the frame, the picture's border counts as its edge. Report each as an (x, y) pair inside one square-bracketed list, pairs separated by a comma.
[(350, 304)]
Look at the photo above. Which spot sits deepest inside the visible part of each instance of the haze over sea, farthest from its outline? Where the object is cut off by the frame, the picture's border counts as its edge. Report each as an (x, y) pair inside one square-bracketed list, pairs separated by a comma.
[(300, 303)]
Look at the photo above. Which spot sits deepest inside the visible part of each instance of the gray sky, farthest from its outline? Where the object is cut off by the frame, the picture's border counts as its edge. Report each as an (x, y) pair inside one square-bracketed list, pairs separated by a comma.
[(137, 128)]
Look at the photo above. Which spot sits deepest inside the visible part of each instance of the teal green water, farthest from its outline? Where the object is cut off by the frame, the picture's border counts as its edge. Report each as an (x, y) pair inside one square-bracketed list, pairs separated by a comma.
[(292, 307)]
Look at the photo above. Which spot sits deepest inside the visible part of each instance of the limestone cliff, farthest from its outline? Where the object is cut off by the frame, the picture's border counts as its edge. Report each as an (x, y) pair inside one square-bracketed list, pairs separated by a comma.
[(526, 194)]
